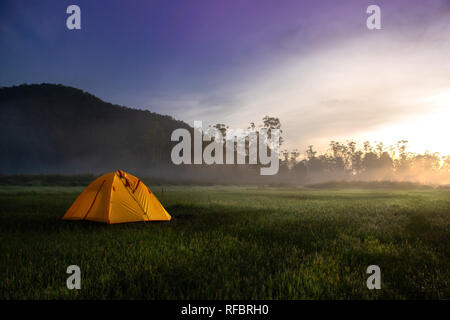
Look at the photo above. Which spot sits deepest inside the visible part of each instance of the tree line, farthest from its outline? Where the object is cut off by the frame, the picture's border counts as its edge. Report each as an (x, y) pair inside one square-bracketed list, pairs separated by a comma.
[(345, 161)]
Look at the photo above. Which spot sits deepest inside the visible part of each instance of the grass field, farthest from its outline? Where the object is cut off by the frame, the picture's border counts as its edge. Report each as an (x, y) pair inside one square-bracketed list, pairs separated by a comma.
[(231, 243)]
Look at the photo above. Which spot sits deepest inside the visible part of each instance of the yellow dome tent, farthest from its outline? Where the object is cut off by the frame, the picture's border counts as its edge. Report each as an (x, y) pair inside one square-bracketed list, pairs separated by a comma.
[(117, 197)]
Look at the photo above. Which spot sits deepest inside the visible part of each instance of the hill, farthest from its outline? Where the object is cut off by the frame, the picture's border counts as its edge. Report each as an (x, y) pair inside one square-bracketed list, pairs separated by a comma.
[(47, 128)]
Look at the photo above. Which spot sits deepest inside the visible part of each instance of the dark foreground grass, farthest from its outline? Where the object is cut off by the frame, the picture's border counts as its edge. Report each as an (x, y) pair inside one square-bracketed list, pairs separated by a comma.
[(231, 243)]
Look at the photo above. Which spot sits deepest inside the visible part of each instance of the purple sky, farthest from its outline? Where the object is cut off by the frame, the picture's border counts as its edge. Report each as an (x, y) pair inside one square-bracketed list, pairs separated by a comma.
[(131, 51), (220, 61)]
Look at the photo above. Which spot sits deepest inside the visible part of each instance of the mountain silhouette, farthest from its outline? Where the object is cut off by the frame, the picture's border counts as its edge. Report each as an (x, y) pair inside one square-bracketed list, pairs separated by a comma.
[(48, 128)]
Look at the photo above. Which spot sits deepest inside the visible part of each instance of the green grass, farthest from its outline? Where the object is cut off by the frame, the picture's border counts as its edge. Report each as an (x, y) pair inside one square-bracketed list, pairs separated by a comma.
[(231, 243)]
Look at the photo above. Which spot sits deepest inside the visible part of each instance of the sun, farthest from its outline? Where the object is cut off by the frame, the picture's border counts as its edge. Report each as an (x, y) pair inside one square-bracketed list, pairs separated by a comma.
[(425, 131)]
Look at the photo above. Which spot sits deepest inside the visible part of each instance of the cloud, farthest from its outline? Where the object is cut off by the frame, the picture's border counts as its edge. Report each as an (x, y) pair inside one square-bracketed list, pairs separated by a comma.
[(347, 89), (312, 64)]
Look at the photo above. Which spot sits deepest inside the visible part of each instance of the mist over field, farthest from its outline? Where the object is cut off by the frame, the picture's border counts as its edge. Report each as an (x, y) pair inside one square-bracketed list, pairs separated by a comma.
[(54, 129)]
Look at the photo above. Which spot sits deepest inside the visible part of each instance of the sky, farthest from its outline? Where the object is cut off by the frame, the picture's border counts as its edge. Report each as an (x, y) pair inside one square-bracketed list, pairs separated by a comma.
[(313, 64)]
